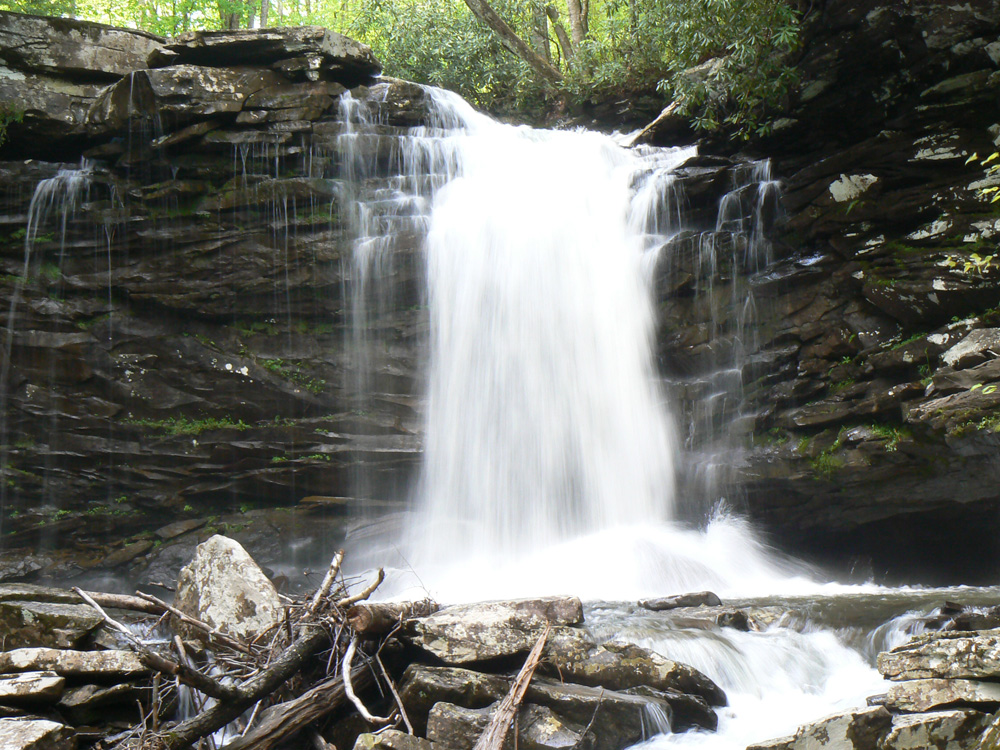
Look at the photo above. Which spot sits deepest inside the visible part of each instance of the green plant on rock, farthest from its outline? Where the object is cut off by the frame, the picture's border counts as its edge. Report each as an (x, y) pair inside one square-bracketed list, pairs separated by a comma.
[(8, 116), (992, 167)]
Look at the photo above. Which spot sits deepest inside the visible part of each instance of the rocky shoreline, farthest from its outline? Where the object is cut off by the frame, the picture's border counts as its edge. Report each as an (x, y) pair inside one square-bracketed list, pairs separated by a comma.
[(69, 679)]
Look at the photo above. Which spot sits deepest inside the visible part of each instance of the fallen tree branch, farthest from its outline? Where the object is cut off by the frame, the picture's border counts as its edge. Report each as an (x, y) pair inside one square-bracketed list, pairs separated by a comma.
[(327, 584), (345, 672), (495, 733), (244, 696), (382, 617), (285, 719), (205, 627), (124, 601), (364, 593)]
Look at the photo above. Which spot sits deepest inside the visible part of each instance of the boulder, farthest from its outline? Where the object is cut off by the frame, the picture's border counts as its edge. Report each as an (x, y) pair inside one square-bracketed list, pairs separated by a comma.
[(852, 730), (687, 711), (303, 49), (391, 739), (32, 624), (224, 588), (35, 734), (176, 96), (951, 655), (960, 729), (72, 663), (915, 696), (52, 108), (31, 687), (491, 630), (618, 666), (90, 703), (976, 348), (538, 728), (613, 717), (695, 599), (76, 49)]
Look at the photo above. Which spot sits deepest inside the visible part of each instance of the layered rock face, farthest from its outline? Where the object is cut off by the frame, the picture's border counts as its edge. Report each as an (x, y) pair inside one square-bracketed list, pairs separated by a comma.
[(181, 348), (873, 379), (176, 305)]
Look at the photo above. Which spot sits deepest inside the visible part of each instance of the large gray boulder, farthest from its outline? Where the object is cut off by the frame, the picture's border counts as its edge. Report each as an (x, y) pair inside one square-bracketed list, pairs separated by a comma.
[(852, 730), (619, 666), (35, 734), (224, 588), (308, 52), (491, 630), (77, 49), (960, 729), (615, 719), (944, 655)]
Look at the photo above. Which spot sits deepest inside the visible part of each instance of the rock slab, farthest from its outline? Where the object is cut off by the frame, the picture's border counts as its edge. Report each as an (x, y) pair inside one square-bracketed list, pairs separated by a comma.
[(35, 734), (491, 630), (952, 655)]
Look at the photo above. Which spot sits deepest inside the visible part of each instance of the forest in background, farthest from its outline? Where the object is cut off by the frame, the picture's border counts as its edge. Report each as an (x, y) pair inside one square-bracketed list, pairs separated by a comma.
[(725, 61)]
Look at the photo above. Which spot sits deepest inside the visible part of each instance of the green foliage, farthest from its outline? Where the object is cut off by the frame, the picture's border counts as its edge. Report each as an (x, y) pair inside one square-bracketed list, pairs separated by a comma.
[(741, 46), (439, 42), (8, 115), (185, 426), (294, 374)]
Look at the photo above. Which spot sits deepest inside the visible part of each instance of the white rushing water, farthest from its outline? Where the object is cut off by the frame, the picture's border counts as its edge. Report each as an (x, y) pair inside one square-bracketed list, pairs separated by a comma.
[(550, 449)]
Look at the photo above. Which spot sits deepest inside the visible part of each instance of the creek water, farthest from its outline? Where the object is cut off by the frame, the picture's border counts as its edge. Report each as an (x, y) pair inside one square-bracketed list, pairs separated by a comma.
[(552, 448)]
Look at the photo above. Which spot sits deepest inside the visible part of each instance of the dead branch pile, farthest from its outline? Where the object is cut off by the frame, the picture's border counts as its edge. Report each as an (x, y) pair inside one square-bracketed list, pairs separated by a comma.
[(324, 657)]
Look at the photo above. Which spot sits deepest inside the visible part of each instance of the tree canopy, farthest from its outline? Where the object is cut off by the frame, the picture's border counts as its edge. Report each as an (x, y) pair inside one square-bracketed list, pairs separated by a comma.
[(724, 60)]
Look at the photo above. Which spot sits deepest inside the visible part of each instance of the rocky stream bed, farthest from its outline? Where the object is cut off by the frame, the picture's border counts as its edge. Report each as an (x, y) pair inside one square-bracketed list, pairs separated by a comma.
[(424, 677)]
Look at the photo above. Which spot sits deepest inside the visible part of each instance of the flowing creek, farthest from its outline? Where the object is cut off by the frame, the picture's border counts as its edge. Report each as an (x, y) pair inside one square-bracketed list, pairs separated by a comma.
[(553, 450)]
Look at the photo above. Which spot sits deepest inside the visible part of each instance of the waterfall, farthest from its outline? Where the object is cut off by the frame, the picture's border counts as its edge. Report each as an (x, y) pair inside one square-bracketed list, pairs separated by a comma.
[(550, 449)]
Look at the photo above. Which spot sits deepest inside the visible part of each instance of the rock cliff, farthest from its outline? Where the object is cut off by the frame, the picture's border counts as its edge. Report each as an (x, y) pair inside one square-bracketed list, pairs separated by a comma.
[(178, 347)]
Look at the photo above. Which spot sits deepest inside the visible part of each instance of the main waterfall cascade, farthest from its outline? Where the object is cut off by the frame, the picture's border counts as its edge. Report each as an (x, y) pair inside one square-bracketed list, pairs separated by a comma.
[(550, 443)]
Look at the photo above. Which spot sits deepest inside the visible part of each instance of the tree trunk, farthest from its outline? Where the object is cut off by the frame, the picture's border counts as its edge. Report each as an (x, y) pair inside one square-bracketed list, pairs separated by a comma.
[(485, 13), (265, 6), (564, 41), (577, 20)]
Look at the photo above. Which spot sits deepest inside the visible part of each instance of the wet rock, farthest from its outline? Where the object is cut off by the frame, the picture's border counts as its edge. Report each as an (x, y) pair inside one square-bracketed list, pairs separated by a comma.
[(915, 696), (391, 739), (951, 655), (224, 588), (178, 528), (78, 49), (35, 593), (612, 716), (88, 704), (53, 108), (325, 53), (35, 734), (852, 730), (179, 95), (31, 687), (491, 630), (127, 553), (68, 663), (32, 624), (687, 711), (956, 730), (975, 349), (696, 599), (538, 728), (619, 666)]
